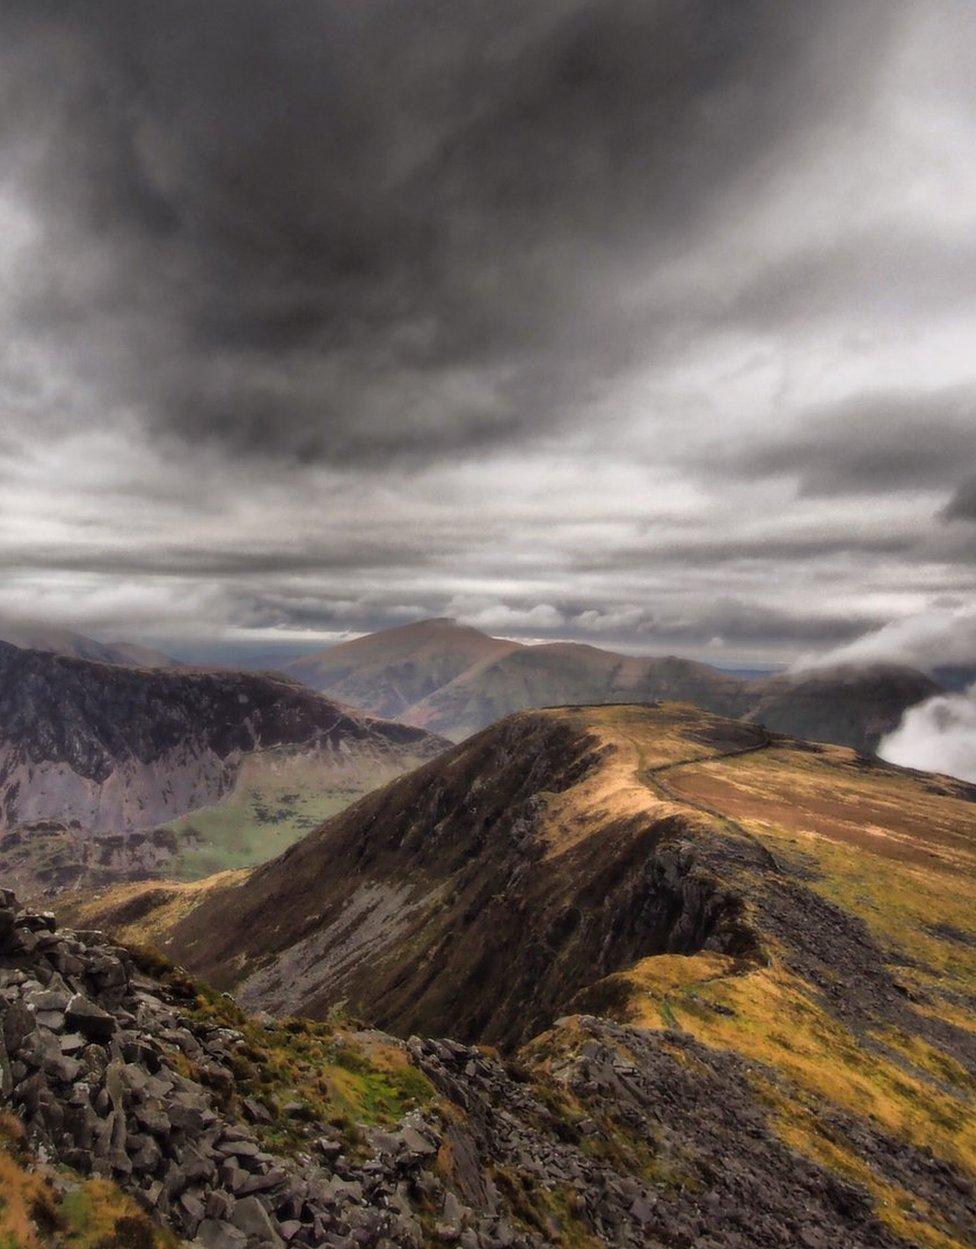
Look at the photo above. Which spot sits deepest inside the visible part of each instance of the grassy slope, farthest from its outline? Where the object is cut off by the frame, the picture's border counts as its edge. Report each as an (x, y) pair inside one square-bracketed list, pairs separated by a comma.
[(896, 849)]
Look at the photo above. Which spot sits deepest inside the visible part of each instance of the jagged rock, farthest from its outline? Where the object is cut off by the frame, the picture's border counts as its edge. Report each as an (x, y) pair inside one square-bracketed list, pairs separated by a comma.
[(86, 1017), (18, 1024), (220, 1205), (253, 1220), (414, 1143), (216, 1234), (232, 1176), (49, 1000), (193, 1205), (255, 1111)]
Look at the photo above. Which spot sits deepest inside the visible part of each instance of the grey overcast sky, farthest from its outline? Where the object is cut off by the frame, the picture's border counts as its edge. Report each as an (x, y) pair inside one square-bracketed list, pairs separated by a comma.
[(645, 322)]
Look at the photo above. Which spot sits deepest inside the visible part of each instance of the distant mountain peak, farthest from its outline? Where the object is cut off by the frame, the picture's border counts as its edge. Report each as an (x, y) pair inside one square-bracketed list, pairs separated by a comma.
[(453, 679), (57, 640)]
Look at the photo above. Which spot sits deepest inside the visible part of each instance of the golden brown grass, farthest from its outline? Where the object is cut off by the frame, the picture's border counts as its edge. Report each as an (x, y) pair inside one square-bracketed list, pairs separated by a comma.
[(36, 1213), (166, 903)]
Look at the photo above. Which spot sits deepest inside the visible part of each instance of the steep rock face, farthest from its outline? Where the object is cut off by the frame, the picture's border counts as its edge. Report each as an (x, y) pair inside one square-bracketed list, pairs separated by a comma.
[(479, 894), (454, 680), (116, 748)]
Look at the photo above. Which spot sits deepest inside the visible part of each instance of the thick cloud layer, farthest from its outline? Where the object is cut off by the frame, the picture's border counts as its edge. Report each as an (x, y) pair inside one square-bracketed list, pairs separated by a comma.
[(647, 322)]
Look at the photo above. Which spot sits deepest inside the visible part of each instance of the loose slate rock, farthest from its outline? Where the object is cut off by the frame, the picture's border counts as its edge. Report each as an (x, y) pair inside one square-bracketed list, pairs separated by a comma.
[(86, 1017)]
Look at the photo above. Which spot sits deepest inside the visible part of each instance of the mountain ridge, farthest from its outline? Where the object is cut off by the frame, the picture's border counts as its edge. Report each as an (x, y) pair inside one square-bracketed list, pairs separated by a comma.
[(455, 680), (617, 879)]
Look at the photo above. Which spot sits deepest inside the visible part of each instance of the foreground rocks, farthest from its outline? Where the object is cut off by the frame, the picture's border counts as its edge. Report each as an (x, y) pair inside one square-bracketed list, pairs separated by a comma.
[(612, 1136)]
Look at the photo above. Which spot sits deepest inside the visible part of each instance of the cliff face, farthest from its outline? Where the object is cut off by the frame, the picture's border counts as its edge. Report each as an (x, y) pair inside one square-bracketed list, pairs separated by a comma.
[(116, 749)]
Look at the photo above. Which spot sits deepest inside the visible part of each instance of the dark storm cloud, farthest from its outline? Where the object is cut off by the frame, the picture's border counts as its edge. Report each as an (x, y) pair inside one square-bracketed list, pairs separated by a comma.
[(642, 321), (962, 505), (194, 562), (346, 232), (873, 443)]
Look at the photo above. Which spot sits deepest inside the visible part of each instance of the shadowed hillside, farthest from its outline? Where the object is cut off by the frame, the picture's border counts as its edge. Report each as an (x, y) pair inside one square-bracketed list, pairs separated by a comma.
[(109, 750)]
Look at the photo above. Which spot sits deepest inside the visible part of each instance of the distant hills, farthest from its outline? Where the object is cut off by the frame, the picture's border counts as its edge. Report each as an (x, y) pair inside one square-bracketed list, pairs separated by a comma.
[(43, 637), (454, 680)]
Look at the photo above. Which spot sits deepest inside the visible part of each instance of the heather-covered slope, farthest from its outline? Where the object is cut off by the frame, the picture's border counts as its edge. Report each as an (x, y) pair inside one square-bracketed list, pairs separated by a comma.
[(114, 749), (454, 681)]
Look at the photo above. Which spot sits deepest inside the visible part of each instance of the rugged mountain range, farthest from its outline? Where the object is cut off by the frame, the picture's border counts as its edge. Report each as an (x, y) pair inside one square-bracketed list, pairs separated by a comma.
[(750, 956), (91, 753), (454, 680)]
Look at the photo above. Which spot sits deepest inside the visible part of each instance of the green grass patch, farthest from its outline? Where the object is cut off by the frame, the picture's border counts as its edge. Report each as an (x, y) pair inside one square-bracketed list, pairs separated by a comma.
[(307, 1072), (251, 827)]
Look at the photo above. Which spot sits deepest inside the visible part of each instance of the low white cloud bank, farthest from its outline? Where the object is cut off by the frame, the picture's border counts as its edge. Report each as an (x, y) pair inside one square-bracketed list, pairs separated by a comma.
[(941, 636), (938, 735)]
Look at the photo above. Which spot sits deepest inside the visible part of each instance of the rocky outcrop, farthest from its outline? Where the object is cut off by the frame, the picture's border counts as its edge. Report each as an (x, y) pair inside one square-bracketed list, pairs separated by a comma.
[(117, 748), (598, 1134)]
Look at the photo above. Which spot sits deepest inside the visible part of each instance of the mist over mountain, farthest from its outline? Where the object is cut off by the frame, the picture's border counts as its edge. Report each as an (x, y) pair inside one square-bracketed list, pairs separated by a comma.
[(45, 637), (938, 735)]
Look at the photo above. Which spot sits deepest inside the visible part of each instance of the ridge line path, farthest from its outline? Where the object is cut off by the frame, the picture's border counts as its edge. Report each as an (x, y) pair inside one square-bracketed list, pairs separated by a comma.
[(651, 778)]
